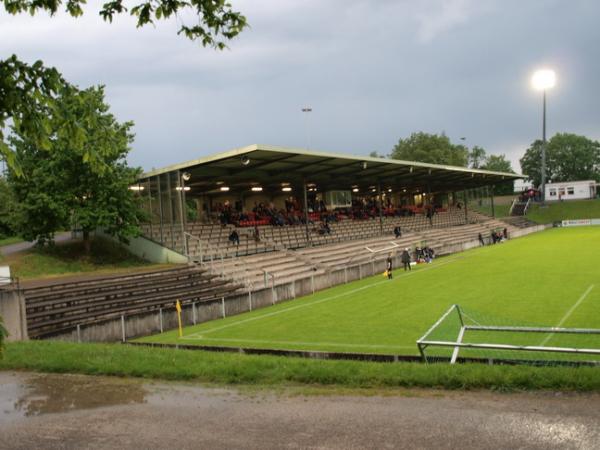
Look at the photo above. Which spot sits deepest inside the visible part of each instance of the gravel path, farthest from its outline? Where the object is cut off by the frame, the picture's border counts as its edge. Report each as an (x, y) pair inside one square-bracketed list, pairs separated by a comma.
[(22, 246), (67, 411)]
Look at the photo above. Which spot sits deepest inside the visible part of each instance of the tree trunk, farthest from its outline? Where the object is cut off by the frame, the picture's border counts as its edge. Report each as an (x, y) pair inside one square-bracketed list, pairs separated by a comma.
[(87, 243)]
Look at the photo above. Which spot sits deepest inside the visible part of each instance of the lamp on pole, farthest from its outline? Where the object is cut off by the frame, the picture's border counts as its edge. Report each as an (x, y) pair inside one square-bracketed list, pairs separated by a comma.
[(542, 80), (306, 111)]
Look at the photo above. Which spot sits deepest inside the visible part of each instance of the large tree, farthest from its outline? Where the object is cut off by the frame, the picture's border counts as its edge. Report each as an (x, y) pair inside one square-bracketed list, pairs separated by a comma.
[(430, 148), (28, 92), (499, 163), (8, 210), (60, 189), (569, 157), (476, 157)]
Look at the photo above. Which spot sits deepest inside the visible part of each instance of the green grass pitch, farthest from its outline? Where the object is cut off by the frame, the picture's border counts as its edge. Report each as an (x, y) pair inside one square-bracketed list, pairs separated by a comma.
[(550, 278)]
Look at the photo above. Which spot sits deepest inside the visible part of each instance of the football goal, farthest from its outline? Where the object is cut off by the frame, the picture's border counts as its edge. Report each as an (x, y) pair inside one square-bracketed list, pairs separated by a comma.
[(464, 335)]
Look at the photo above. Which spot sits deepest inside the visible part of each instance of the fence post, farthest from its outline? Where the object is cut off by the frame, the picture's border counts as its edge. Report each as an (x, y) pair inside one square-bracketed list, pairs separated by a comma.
[(373, 267), (78, 333), (293, 288), (160, 319), (345, 275), (123, 326), (272, 295), (312, 282), (223, 306), (194, 313), (250, 300), (359, 272)]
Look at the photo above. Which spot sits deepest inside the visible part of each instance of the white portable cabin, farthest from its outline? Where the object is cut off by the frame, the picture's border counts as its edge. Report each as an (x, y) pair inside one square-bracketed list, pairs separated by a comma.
[(571, 190)]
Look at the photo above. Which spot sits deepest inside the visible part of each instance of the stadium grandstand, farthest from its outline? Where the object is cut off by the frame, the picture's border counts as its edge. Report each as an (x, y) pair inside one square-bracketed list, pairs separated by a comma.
[(311, 211)]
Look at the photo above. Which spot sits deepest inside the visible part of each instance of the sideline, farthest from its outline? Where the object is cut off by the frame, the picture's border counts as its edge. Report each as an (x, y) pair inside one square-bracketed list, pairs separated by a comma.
[(568, 313), (329, 344), (333, 297)]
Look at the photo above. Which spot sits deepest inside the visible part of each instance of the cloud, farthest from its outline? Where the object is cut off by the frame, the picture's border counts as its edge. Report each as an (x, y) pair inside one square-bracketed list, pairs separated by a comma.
[(372, 70)]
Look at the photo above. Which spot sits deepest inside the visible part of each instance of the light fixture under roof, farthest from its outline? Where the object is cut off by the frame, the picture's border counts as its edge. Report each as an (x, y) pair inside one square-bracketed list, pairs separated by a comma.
[(286, 189), (256, 188), (389, 189), (185, 188), (355, 189), (224, 188), (136, 188)]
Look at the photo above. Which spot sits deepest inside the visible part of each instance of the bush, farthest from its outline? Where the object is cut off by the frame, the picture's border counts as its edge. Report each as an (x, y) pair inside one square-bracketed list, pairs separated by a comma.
[(3, 334)]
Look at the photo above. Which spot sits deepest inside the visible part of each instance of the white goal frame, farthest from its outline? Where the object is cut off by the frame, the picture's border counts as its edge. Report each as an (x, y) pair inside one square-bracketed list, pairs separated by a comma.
[(423, 342)]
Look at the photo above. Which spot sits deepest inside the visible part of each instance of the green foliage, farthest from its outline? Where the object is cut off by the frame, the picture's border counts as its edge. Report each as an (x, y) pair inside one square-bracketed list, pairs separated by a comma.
[(499, 163), (8, 211), (83, 180), (3, 334), (271, 371), (476, 157), (569, 157), (216, 21), (430, 148), (27, 93)]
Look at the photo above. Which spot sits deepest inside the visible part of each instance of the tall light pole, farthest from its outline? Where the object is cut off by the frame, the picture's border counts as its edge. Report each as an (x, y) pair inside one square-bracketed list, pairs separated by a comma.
[(542, 80), (306, 111)]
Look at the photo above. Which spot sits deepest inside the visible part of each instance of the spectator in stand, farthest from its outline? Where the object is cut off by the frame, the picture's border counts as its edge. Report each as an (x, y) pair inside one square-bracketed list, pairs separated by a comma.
[(505, 233), (327, 228), (481, 241), (406, 259), (256, 234), (389, 267), (493, 237), (234, 237), (397, 232)]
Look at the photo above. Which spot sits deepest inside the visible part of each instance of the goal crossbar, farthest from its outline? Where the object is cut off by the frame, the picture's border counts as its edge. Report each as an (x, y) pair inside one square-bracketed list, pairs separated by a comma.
[(460, 343)]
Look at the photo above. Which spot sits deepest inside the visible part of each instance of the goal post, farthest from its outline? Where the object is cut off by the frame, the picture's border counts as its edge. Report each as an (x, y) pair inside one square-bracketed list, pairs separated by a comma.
[(457, 332)]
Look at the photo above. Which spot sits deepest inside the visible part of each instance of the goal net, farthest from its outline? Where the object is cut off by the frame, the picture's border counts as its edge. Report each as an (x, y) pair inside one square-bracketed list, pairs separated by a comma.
[(467, 335)]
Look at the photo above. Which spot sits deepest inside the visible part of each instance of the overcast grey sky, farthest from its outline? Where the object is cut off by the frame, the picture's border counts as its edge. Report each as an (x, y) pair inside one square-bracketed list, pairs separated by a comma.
[(372, 71)]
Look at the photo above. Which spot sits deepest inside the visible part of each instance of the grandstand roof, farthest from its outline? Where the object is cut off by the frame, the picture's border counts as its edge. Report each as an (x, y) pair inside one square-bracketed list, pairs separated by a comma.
[(270, 166)]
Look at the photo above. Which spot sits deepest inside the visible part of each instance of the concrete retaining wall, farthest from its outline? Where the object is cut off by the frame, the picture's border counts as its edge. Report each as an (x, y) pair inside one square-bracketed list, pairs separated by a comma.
[(149, 250), (12, 311)]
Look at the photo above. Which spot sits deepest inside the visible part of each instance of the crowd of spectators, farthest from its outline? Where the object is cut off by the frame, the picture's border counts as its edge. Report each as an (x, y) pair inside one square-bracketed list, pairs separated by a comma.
[(293, 214)]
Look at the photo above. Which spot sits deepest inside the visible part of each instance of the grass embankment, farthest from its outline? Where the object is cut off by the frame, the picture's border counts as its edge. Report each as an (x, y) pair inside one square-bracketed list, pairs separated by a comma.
[(70, 258), (10, 240), (271, 371), (567, 210)]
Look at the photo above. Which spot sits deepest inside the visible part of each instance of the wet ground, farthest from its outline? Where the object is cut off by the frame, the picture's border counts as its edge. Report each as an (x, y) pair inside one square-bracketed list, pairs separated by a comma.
[(70, 411)]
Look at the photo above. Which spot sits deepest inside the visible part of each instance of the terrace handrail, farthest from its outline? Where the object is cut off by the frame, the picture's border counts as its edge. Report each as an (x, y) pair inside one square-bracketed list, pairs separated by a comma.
[(526, 206)]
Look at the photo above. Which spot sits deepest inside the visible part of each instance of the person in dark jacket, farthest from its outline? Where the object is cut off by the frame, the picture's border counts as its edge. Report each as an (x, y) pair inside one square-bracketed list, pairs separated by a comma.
[(234, 237), (389, 267), (481, 241), (397, 232), (406, 259)]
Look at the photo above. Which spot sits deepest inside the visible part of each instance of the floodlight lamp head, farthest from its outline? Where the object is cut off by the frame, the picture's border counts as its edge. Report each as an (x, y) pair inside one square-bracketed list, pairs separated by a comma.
[(185, 176), (245, 160), (543, 79)]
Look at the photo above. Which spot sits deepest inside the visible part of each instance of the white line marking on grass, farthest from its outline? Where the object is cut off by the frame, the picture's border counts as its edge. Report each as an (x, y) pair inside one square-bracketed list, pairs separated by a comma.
[(304, 344), (568, 313), (333, 297)]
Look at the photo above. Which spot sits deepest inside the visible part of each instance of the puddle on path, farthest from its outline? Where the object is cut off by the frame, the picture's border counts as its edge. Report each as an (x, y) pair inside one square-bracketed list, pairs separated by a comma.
[(27, 395)]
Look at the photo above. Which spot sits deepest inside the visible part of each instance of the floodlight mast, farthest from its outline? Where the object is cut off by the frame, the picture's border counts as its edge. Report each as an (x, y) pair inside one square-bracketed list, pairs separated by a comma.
[(307, 110), (543, 80)]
